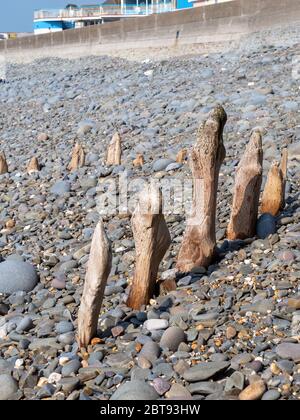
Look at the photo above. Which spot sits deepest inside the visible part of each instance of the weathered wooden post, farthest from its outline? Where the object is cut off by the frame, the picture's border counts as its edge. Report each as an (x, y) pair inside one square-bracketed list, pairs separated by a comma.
[(99, 266), (114, 151), (181, 156), (248, 181), (273, 194), (77, 159), (33, 166), (138, 161), (3, 164), (152, 239), (207, 155)]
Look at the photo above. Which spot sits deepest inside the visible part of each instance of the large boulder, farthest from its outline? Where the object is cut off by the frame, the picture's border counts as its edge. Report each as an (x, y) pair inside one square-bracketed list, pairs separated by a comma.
[(17, 276)]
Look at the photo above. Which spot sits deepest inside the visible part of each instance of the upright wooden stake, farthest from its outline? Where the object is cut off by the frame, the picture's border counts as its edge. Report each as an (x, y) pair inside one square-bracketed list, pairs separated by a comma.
[(99, 266), (181, 155), (33, 166), (273, 194), (3, 164), (139, 160), (114, 151), (152, 239), (246, 191), (77, 159), (207, 155)]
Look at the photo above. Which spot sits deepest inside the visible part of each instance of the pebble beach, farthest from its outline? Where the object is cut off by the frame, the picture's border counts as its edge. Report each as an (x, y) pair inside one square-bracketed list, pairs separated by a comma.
[(229, 331)]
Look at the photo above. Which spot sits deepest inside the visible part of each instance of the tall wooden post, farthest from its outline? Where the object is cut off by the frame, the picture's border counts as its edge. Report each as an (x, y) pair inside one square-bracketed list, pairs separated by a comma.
[(114, 151), (248, 181), (77, 159), (3, 164), (99, 266), (273, 194), (152, 239), (207, 155)]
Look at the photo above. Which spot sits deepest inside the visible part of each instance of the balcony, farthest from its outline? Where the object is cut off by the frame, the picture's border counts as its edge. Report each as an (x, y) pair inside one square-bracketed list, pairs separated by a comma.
[(105, 10)]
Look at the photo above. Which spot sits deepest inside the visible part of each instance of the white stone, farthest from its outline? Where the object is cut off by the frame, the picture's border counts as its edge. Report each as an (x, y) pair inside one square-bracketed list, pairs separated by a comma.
[(156, 324), (54, 378), (148, 73), (19, 363), (3, 331), (63, 361)]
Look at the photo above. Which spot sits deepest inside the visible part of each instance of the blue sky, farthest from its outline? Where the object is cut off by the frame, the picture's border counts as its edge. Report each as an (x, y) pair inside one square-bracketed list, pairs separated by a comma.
[(16, 15)]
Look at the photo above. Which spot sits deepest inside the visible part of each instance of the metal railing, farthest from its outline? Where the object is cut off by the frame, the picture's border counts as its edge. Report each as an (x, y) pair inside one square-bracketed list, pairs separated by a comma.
[(105, 9)]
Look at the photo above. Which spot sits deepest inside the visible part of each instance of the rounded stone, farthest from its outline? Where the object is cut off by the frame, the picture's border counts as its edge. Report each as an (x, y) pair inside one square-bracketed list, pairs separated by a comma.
[(143, 362), (173, 166), (71, 367), (66, 338), (271, 395), (150, 351), (24, 344), (266, 225), (25, 324), (286, 256), (171, 338), (5, 367), (136, 391), (17, 276), (156, 324), (294, 303), (8, 387), (178, 392), (64, 327), (204, 370), (161, 386), (95, 358), (61, 188), (161, 164), (230, 332), (253, 391), (59, 282), (289, 351)]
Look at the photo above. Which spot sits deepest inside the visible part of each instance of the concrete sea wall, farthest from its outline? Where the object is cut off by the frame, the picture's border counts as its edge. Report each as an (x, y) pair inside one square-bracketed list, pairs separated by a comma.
[(216, 23)]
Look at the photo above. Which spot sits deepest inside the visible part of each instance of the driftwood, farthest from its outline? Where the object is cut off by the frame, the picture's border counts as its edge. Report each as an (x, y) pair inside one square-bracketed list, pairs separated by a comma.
[(273, 194), (3, 164), (284, 167), (207, 155), (248, 181), (77, 159), (33, 166), (114, 151), (139, 160), (181, 156), (99, 266), (152, 239)]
